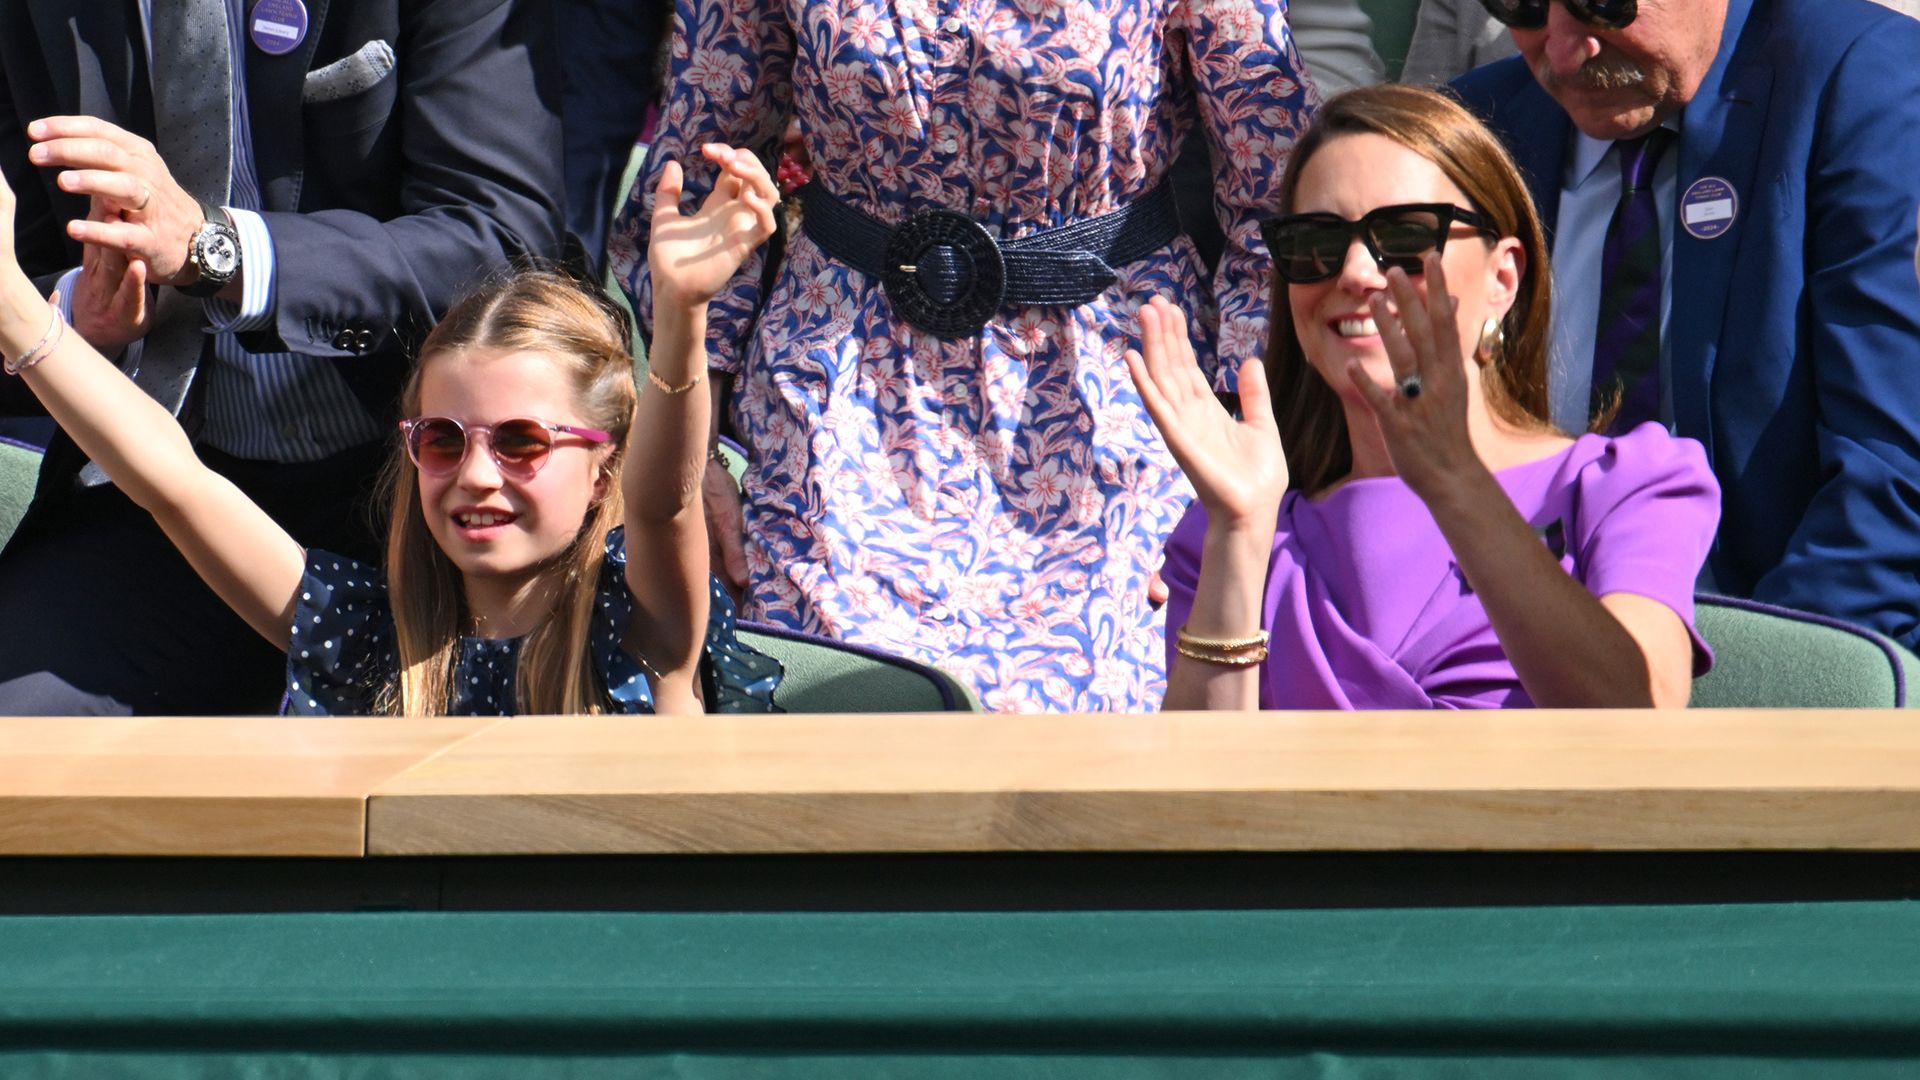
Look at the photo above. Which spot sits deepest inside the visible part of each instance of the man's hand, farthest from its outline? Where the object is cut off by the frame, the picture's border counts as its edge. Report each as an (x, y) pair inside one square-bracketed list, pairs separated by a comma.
[(110, 295), (151, 219), (726, 528)]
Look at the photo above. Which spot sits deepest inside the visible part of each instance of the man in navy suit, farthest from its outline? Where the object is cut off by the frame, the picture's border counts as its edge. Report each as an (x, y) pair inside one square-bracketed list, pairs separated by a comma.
[(1788, 334), (374, 160)]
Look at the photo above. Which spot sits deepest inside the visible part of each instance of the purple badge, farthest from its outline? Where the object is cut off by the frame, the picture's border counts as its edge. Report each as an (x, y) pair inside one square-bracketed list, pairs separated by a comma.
[(278, 26), (1708, 208)]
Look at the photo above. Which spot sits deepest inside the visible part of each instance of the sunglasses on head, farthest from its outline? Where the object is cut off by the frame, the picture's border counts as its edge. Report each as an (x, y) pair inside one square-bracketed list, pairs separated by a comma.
[(1532, 14), (1313, 247), (438, 444)]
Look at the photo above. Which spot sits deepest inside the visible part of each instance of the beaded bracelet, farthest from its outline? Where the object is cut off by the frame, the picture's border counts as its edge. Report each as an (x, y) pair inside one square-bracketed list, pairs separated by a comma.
[(41, 349), (666, 388)]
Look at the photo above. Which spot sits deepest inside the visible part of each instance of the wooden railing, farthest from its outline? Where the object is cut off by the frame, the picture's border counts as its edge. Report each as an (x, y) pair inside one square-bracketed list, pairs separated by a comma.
[(1514, 781)]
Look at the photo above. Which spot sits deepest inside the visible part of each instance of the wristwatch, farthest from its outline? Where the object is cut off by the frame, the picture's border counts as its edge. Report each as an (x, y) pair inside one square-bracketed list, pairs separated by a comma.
[(214, 251)]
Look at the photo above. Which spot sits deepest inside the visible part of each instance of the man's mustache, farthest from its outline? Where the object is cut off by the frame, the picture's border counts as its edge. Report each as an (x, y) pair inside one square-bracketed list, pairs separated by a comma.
[(1603, 72)]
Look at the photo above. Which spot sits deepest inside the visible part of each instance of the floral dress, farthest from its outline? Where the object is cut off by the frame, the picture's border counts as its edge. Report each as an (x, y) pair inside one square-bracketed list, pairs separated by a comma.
[(342, 652), (992, 505)]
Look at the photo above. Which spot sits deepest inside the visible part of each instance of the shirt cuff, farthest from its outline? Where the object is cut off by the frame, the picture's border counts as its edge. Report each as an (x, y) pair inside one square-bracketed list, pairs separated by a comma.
[(255, 309), (65, 288)]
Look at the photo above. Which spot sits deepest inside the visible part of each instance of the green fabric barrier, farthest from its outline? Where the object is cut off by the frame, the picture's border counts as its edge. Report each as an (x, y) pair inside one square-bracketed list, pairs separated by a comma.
[(19, 469), (1745, 990), (1764, 660)]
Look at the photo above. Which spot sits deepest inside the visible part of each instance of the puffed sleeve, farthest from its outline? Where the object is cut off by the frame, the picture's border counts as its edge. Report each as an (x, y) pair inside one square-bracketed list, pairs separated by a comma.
[(1255, 99), (732, 84), (341, 649), (735, 676), (1645, 511)]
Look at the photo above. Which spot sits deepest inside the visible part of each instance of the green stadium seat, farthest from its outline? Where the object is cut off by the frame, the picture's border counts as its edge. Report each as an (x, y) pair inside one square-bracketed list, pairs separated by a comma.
[(19, 468), (1392, 30), (825, 676), (1771, 657)]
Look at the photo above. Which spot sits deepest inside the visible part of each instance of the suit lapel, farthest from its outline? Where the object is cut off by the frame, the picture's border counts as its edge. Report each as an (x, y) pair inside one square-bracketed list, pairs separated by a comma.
[(90, 56), (1721, 131), (274, 88), (1536, 129)]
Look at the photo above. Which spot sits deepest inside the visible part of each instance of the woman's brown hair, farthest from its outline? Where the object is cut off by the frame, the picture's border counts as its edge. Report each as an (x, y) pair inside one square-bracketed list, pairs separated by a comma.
[(1313, 426), (534, 311)]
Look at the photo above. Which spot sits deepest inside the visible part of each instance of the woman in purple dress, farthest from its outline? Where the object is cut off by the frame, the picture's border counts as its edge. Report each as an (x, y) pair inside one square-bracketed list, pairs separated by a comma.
[(981, 489), (1411, 532)]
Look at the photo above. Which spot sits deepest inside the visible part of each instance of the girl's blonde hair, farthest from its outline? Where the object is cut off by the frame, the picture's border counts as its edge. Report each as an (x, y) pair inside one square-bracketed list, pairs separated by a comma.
[(530, 311), (1313, 426)]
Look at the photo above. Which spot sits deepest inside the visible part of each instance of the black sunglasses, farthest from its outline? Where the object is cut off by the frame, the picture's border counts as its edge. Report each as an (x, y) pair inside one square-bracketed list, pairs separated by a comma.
[(1313, 247), (1532, 14)]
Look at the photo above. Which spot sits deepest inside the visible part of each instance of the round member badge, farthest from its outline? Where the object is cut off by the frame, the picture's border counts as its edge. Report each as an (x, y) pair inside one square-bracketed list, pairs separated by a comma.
[(1708, 208), (277, 27)]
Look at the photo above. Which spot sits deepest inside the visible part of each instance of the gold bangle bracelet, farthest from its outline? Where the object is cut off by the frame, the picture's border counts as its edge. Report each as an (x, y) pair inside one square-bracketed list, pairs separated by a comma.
[(665, 388), (1257, 638), (1243, 658)]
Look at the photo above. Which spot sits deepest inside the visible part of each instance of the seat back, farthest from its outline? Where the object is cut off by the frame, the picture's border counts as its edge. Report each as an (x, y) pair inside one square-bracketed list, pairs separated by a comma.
[(826, 676), (19, 469), (1392, 30), (1772, 657)]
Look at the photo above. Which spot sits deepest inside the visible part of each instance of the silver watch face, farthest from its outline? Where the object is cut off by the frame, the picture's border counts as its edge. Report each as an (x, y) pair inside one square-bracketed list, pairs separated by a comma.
[(216, 252)]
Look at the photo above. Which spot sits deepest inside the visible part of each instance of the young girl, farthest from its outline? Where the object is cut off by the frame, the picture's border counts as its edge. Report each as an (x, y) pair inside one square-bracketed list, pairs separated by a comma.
[(527, 570)]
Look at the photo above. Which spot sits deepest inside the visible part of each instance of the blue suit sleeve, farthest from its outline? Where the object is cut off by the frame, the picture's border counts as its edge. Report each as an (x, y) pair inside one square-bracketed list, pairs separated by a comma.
[(1856, 550)]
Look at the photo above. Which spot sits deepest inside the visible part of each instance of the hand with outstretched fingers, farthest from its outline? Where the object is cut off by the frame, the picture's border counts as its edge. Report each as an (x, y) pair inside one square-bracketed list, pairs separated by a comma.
[(150, 217), (693, 256), (1237, 467), (1425, 432), (110, 305)]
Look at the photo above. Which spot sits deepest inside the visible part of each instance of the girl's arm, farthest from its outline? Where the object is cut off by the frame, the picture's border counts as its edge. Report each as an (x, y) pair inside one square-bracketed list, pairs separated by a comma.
[(691, 259), (1569, 647), (235, 547), (1239, 472)]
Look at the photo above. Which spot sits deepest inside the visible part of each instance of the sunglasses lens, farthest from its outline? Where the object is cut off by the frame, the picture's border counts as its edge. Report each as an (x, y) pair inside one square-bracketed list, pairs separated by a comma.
[(1405, 238), (521, 443), (1606, 14), (1525, 14), (1307, 251), (437, 444)]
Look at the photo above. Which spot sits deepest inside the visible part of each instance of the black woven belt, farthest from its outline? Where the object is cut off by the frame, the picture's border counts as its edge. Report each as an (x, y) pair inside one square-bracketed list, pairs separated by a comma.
[(947, 275)]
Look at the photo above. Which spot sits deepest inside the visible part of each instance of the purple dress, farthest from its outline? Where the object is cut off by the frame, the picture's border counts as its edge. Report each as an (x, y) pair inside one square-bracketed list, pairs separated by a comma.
[(1367, 610), (992, 505)]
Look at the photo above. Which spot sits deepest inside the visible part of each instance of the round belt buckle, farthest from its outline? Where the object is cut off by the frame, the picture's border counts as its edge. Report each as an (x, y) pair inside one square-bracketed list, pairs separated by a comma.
[(960, 244)]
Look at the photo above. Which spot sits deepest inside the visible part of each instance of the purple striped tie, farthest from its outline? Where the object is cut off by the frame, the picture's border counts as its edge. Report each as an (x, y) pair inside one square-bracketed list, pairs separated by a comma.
[(1626, 344)]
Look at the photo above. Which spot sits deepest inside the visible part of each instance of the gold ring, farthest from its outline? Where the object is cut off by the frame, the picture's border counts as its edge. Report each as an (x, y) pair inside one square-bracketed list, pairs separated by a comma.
[(146, 196)]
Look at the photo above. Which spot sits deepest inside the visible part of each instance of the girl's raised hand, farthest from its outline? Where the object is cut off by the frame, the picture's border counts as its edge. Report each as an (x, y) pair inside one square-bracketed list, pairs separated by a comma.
[(692, 257), (1237, 467), (1426, 433)]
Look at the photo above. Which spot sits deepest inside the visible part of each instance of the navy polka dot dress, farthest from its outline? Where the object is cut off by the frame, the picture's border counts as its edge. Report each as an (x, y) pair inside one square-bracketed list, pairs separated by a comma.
[(342, 650)]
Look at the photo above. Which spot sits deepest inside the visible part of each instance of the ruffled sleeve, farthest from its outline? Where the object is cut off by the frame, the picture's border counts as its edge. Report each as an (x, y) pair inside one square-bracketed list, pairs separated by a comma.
[(736, 677), (341, 649), (1255, 99), (731, 83)]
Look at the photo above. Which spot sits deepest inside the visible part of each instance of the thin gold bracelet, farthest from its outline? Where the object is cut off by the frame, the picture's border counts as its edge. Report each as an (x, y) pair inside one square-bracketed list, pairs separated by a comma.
[(681, 389), (1242, 658), (1257, 638)]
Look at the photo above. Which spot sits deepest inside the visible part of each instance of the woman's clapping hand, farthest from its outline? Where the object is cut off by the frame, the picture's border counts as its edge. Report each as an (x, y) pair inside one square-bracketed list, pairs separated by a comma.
[(1237, 467)]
